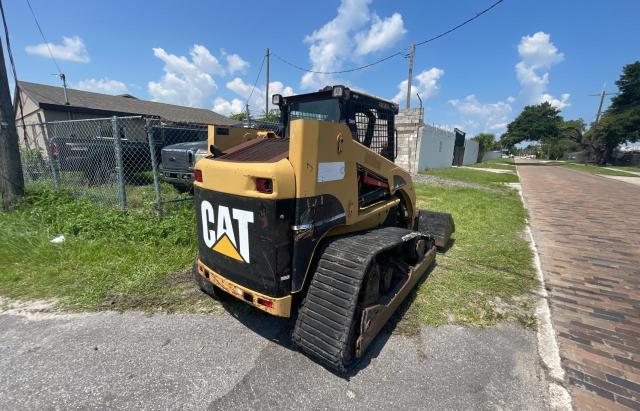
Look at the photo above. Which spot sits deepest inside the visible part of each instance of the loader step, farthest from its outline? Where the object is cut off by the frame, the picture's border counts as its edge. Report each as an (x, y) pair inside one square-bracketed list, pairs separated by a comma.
[(330, 313)]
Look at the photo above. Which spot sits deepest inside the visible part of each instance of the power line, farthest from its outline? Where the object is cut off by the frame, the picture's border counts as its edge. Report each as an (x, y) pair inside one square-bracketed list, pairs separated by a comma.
[(399, 53), (15, 74), (255, 82), (43, 36), (469, 20), (339, 71)]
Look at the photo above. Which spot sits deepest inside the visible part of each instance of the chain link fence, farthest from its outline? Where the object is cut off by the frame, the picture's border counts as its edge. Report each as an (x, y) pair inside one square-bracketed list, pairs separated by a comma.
[(128, 162)]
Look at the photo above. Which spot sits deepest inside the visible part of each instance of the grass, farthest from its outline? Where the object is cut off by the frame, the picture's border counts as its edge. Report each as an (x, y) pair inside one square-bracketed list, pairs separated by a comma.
[(112, 260), (589, 168), (499, 163), (487, 275), (627, 168), (139, 190), (473, 176), (109, 259)]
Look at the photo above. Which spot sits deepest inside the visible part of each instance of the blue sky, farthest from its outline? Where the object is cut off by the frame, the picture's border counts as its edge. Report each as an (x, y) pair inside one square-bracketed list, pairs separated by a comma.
[(207, 54)]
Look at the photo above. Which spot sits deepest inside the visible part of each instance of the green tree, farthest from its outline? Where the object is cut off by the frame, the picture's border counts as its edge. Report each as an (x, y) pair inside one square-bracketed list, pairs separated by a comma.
[(620, 123), (629, 89), (541, 122), (487, 142), (573, 130), (239, 116), (273, 116)]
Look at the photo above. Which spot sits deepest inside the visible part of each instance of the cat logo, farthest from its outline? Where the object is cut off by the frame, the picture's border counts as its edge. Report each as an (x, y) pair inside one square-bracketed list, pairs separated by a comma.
[(223, 239)]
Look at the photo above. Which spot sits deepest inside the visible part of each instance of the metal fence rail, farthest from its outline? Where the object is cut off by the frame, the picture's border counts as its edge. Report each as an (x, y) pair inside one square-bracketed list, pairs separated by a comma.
[(115, 161)]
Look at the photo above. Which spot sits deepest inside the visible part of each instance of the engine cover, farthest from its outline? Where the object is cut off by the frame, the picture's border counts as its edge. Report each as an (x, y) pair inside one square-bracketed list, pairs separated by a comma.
[(246, 239)]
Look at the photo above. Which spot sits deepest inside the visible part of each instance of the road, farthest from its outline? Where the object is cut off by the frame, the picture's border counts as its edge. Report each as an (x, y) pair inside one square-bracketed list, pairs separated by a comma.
[(188, 361), (587, 229)]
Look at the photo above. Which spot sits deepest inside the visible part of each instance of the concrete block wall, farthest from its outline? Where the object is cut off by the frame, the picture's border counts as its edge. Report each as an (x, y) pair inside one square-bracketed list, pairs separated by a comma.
[(491, 155), (408, 124), (436, 148), (471, 149)]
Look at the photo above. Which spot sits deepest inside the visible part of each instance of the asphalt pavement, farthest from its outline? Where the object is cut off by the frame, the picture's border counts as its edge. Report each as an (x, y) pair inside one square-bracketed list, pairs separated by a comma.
[(189, 361)]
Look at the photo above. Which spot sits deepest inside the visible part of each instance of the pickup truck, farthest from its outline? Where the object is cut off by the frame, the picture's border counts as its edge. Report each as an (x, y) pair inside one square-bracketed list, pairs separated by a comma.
[(178, 161), (95, 157)]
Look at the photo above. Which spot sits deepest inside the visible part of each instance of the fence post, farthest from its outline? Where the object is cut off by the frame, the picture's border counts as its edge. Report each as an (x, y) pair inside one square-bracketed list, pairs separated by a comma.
[(122, 195), (53, 161), (154, 165)]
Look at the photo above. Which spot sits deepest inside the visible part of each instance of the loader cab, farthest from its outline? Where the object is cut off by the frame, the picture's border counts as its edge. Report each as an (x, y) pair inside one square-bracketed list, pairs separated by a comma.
[(370, 119)]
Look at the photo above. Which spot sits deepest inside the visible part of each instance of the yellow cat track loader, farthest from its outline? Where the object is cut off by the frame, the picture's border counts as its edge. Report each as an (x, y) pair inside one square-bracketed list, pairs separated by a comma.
[(315, 220)]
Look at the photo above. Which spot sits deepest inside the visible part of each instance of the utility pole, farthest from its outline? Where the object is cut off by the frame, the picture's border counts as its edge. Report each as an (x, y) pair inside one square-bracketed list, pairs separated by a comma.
[(66, 95), (11, 180), (64, 86), (602, 96), (412, 52), (266, 98)]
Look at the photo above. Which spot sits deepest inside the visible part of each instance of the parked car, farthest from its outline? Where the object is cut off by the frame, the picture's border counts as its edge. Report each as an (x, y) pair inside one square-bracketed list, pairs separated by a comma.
[(95, 156), (178, 161)]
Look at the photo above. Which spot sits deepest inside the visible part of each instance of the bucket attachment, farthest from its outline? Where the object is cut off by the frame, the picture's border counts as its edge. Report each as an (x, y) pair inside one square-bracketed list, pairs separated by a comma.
[(438, 225)]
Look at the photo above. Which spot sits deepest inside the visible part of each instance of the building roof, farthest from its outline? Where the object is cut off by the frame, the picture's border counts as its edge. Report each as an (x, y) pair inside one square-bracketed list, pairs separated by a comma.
[(52, 98)]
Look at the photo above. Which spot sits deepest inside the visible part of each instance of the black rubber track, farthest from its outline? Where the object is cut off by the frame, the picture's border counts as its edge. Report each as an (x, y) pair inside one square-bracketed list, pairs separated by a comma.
[(325, 317)]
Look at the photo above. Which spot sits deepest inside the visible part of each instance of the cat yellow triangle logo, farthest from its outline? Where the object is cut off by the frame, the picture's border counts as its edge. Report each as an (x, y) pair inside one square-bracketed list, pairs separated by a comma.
[(224, 246)]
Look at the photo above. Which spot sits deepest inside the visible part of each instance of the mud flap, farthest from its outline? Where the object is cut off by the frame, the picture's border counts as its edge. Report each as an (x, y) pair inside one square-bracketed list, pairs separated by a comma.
[(438, 225)]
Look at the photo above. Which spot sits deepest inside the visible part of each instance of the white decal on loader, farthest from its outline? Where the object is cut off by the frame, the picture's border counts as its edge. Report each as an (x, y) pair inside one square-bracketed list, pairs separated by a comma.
[(330, 171), (223, 239)]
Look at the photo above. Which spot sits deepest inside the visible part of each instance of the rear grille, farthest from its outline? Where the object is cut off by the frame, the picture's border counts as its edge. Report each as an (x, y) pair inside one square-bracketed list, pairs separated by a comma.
[(268, 150)]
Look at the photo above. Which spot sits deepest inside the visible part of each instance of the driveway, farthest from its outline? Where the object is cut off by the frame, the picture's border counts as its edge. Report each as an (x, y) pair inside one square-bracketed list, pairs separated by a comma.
[(187, 361), (587, 229)]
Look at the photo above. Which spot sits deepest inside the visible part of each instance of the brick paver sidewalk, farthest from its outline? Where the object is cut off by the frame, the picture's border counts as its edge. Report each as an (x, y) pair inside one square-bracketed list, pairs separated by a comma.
[(587, 229)]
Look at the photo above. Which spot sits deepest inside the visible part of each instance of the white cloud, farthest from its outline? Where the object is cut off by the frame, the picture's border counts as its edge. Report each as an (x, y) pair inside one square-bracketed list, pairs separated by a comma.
[(243, 90), (481, 117), (204, 60), (537, 51), (537, 55), (382, 34), (425, 83), (235, 64), (238, 86), (560, 103), (226, 107), (104, 86), (71, 49), (186, 81), (333, 44)]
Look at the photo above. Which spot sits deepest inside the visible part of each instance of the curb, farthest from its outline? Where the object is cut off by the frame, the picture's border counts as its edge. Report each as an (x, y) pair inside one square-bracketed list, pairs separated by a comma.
[(548, 350)]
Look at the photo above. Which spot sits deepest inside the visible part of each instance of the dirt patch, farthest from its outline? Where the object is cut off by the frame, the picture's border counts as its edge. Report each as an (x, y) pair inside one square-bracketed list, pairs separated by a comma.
[(176, 292), (34, 310), (179, 279)]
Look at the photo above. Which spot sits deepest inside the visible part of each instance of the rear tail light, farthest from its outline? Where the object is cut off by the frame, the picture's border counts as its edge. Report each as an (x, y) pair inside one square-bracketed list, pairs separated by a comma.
[(266, 303), (197, 175), (264, 185), (54, 149)]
